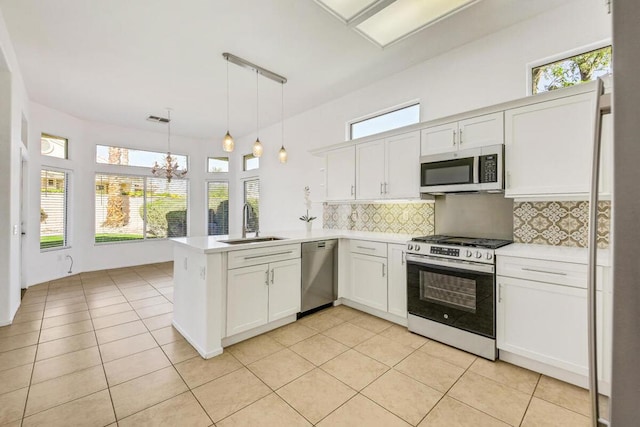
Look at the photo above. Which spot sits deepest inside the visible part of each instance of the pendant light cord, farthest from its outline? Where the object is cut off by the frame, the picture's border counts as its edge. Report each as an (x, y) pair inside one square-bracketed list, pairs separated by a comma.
[(282, 112), (169, 129), (257, 109), (227, 94)]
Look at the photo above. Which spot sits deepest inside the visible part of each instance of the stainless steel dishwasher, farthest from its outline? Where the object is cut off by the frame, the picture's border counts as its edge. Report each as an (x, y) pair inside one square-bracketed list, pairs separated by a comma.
[(319, 275)]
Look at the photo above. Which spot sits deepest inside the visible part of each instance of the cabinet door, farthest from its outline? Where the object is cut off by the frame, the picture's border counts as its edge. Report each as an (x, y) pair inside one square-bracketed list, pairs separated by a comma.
[(544, 322), (370, 170), (481, 131), (439, 139), (369, 280), (340, 174), (397, 283), (247, 298), (403, 166), (548, 147), (284, 288)]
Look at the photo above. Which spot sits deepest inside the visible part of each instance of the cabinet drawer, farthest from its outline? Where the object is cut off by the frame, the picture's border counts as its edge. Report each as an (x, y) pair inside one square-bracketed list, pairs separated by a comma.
[(368, 248), (560, 273), (247, 257)]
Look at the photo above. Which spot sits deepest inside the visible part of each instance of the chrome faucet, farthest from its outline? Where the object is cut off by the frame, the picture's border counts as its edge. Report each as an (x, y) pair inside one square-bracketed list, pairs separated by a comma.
[(247, 211)]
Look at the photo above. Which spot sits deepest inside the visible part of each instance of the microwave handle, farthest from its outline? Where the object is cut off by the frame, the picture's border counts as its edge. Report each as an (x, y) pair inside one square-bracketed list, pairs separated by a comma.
[(476, 169)]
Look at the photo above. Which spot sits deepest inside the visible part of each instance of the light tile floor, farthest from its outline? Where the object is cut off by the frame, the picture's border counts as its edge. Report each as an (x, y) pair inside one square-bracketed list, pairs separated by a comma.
[(98, 348)]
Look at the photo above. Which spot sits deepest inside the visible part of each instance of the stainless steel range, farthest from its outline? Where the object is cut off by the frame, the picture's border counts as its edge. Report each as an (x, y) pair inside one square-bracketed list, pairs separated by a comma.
[(451, 291)]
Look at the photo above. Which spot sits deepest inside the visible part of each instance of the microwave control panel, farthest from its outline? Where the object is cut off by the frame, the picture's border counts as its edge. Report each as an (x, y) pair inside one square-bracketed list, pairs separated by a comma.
[(489, 168)]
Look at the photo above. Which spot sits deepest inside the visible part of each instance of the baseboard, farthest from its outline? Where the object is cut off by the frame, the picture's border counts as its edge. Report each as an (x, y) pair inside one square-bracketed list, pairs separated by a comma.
[(234, 339), (205, 354), (373, 311)]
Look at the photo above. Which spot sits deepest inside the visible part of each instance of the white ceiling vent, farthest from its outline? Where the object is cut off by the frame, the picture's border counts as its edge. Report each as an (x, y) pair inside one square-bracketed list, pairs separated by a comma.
[(158, 119)]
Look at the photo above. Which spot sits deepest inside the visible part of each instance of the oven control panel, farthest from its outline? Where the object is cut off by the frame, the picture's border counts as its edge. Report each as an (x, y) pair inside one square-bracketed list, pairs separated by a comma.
[(439, 250)]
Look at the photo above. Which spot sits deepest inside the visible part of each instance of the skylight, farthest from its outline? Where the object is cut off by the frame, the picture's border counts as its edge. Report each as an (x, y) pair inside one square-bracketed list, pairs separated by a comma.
[(385, 22)]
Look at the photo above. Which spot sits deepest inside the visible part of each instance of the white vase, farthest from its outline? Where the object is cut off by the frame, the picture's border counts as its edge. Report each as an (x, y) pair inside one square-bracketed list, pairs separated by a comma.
[(309, 224)]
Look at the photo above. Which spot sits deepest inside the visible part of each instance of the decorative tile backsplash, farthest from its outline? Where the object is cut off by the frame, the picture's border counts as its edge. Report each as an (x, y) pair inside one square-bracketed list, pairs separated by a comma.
[(559, 223), (406, 218)]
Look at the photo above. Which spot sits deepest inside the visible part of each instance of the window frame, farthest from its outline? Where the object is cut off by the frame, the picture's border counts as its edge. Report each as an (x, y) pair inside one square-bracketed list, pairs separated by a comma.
[(244, 197), (145, 178), (217, 158), (163, 153), (66, 239), (349, 124), (66, 146), (245, 157), (559, 57), (206, 207)]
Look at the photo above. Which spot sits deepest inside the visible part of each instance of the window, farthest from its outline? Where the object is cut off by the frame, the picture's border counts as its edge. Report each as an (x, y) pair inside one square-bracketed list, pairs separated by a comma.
[(250, 162), (383, 122), (53, 146), (571, 71), (218, 208), (252, 197), (53, 209), (128, 157), (137, 208), (217, 164)]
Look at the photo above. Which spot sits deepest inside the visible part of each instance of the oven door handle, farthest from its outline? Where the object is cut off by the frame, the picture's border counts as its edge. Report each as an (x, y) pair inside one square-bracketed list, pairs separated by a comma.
[(451, 263)]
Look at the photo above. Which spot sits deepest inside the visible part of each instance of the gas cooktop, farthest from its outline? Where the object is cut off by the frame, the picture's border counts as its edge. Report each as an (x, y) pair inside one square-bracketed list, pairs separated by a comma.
[(463, 241)]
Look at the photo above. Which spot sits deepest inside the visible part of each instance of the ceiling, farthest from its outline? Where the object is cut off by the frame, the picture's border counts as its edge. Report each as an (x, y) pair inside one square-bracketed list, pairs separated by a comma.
[(119, 61)]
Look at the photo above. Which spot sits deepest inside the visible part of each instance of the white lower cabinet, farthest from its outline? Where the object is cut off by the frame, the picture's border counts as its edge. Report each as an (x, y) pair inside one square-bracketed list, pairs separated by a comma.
[(369, 280), (247, 298), (546, 322), (263, 293), (397, 280)]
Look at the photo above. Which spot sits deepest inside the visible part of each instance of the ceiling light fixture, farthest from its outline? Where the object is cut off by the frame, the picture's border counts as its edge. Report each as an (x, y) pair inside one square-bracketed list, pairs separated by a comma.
[(257, 146), (227, 142), (282, 154), (170, 168)]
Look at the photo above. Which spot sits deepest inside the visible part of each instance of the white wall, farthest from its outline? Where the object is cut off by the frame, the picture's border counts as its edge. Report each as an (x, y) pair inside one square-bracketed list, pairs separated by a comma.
[(13, 105), (488, 71), (83, 137)]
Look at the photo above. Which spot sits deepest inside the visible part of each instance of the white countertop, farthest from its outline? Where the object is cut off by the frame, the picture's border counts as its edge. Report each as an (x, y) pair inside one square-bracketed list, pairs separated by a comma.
[(554, 253), (213, 244)]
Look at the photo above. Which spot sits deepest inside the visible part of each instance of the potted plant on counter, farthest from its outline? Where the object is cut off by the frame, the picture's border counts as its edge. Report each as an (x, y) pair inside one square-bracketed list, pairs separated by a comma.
[(307, 201)]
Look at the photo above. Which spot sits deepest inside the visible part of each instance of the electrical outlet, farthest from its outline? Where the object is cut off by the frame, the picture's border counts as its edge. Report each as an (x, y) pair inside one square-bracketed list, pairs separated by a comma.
[(203, 273)]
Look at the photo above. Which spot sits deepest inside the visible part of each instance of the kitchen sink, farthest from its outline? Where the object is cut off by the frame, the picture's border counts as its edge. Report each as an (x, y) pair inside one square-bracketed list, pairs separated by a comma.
[(251, 240)]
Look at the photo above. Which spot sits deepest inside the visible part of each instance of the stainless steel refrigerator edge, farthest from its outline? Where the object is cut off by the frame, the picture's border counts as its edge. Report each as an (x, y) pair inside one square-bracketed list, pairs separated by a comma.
[(625, 386), (319, 274)]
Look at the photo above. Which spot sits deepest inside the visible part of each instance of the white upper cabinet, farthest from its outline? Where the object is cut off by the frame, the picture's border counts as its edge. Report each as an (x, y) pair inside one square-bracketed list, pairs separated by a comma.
[(340, 174), (402, 166), (389, 168), (370, 170), (474, 132), (548, 147)]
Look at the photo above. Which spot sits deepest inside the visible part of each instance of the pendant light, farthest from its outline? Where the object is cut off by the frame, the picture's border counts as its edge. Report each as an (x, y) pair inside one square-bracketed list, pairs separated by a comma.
[(227, 142), (282, 154), (257, 146), (170, 168)]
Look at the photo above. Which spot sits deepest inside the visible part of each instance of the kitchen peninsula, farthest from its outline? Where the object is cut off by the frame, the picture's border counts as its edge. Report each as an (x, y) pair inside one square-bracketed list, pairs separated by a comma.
[(227, 292)]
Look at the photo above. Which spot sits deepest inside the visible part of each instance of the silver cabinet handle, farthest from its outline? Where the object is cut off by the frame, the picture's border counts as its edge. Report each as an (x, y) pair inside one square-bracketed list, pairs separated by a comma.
[(353, 189), (558, 273), (385, 188), (364, 247), (508, 179), (265, 255), (266, 277), (454, 138), (403, 257), (383, 272), (381, 186), (460, 138), (273, 273), (500, 292)]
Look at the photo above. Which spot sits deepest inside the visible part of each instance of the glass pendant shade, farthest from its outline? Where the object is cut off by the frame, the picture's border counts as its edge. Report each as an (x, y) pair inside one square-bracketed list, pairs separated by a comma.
[(257, 148), (282, 155), (227, 143)]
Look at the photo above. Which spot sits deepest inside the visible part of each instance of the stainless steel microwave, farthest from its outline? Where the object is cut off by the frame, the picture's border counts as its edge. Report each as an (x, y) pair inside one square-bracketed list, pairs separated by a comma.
[(472, 170)]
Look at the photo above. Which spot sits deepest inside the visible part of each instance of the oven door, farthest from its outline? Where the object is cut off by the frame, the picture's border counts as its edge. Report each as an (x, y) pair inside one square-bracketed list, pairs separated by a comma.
[(456, 293)]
